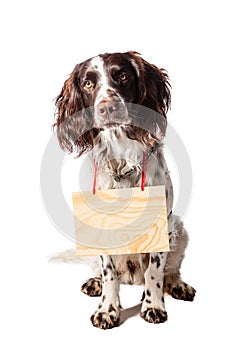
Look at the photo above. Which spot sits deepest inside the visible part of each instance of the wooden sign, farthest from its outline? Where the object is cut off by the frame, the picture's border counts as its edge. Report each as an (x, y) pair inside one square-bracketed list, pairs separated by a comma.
[(121, 221)]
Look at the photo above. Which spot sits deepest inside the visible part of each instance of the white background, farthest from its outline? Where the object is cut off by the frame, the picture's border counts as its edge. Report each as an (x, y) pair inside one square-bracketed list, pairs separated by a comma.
[(41, 41)]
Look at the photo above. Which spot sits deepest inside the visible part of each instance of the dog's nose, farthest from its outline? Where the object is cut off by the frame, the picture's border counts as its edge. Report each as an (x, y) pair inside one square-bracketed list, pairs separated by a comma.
[(107, 108)]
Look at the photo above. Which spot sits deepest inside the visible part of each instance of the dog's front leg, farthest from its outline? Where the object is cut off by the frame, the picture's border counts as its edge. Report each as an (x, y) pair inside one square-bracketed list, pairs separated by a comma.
[(153, 307), (108, 313)]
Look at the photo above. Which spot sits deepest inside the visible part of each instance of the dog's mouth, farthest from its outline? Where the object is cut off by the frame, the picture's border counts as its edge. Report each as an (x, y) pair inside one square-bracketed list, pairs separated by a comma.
[(111, 125)]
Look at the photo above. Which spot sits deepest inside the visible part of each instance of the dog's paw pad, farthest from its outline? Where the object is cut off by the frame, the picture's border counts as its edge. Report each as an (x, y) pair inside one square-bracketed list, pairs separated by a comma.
[(153, 315), (183, 291), (105, 320), (92, 287)]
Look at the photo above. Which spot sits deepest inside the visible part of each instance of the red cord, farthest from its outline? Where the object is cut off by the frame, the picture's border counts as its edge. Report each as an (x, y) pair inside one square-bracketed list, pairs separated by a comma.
[(144, 166), (95, 175)]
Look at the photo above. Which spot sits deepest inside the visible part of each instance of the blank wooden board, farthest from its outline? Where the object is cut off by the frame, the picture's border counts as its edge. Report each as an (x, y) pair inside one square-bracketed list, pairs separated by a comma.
[(121, 221)]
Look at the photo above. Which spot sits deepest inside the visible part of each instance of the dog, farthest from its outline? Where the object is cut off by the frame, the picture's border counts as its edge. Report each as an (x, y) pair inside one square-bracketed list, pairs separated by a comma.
[(113, 107)]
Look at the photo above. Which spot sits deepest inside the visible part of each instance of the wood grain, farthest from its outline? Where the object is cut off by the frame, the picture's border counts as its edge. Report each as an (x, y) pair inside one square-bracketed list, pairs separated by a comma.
[(121, 221)]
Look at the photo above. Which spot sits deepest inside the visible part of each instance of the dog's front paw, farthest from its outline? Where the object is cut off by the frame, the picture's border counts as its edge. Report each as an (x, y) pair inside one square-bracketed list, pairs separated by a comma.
[(106, 319), (154, 315)]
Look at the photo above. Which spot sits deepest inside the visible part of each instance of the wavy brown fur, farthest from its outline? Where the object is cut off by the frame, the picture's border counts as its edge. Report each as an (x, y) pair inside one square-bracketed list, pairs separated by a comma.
[(74, 119)]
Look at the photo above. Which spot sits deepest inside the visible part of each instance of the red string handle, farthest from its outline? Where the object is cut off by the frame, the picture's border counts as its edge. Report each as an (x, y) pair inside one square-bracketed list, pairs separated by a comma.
[(143, 180), (95, 176), (144, 167)]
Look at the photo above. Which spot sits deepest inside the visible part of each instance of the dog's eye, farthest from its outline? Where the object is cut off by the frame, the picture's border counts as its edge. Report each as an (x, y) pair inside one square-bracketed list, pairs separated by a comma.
[(123, 77), (88, 84)]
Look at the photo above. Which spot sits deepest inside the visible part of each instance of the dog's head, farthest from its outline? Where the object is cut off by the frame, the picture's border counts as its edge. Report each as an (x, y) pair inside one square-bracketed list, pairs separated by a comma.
[(105, 92)]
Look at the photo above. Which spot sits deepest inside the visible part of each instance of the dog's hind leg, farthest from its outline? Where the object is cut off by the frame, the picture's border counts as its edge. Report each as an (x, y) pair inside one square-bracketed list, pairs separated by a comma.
[(92, 287), (173, 283)]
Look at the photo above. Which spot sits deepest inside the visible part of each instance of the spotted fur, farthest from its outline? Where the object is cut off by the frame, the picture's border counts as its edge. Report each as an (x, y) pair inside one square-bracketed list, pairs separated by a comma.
[(94, 114), (108, 313)]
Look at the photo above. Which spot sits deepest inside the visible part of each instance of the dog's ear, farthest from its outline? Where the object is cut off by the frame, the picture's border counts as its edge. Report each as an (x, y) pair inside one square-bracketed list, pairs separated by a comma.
[(153, 88), (73, 123), (157, 87), (153, 82)]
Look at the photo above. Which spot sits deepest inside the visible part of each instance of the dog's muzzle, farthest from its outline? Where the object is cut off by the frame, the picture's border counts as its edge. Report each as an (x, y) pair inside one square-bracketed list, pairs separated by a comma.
[(109, 113)]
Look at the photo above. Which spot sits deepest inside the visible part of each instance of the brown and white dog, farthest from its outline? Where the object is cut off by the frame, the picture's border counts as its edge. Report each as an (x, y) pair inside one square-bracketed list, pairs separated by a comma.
[(100, 109)]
